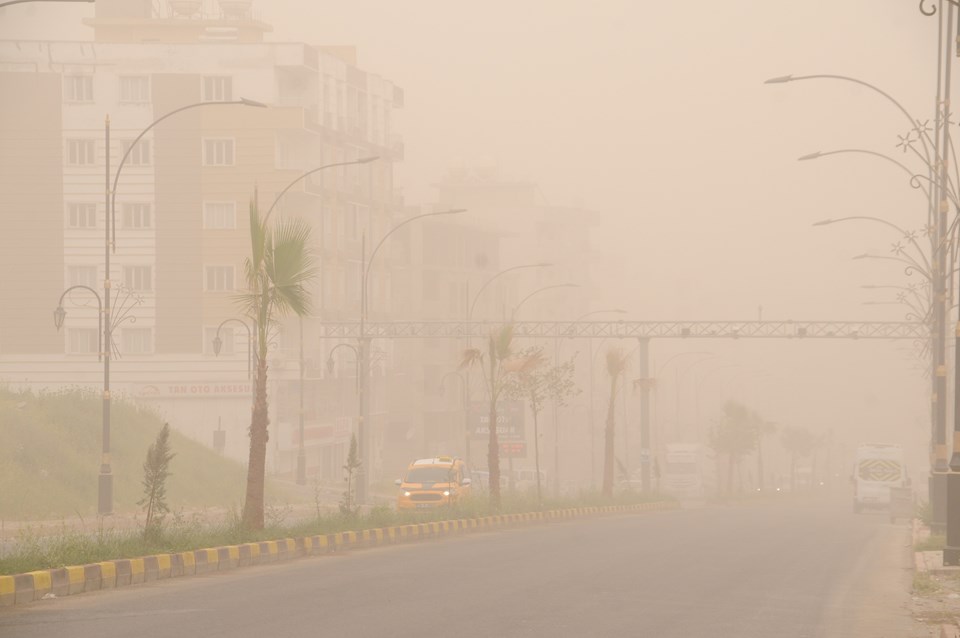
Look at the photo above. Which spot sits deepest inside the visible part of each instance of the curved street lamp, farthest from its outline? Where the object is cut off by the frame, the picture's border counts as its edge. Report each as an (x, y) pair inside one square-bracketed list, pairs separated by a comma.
[(516, 309), (105, 478), (301, 475), (363, 344), (493, 278), (11, 2), (907, 235)]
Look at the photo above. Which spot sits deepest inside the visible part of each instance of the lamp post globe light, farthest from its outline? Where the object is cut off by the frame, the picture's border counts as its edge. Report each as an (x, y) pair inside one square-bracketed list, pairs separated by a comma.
[(363, 347), (108, 321)]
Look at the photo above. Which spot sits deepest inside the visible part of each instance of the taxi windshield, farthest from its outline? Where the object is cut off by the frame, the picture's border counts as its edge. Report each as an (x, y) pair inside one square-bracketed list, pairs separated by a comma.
[(430, 475)]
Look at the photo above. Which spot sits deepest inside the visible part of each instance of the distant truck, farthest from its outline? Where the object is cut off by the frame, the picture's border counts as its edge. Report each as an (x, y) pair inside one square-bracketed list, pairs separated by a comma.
[(681, 475), (878, 468)]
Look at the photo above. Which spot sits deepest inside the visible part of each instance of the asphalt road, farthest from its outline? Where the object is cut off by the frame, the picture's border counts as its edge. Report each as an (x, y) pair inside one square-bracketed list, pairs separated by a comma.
[(810, 569)]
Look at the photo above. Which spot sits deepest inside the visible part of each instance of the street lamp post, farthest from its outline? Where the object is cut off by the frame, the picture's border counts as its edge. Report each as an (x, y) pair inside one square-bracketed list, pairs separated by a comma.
[(301, 474), (11, 2), (470, 308), (590, 416), (107, 323), (356, 355), (364, 346), (556, 421), (935, 155)]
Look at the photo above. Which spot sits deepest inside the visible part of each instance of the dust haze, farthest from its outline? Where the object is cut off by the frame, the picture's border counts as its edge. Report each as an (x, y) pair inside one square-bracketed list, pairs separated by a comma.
[(632, 145)]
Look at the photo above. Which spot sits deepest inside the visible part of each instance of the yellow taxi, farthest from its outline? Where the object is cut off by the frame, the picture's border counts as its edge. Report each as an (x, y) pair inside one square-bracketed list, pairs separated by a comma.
[(433, 482)]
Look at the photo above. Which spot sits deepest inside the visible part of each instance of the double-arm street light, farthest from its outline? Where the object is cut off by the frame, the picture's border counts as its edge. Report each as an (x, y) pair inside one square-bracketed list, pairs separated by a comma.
[(107, 322), (363, 345)]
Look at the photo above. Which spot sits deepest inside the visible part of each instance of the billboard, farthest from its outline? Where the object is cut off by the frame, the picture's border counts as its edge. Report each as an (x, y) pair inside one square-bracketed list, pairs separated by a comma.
[(509, 421)]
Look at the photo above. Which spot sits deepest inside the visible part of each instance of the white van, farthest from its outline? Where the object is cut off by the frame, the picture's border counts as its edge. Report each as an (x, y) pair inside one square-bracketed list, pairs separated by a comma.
[(878, 468)]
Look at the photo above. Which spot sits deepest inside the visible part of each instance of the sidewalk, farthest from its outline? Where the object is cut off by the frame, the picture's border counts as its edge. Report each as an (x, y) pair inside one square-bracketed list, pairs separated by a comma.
[(936, 595)]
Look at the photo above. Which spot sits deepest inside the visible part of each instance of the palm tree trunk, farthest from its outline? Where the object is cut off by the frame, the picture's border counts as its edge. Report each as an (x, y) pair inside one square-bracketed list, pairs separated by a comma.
[(256, 465), (493, 449), (608, 440)]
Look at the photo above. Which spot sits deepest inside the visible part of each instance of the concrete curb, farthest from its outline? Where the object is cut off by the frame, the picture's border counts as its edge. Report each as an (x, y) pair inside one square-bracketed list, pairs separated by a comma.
[(67, 581)]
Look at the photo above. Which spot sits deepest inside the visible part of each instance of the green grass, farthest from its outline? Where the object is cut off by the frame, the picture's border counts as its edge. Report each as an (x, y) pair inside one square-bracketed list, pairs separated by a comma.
[(932, 543), (50, 456), (73, 547)]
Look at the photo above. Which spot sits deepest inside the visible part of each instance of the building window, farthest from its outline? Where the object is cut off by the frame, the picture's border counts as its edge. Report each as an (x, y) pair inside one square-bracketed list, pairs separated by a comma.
[(136, 341), (135, 89), (138, 278), (140, 155), (218, 152), (137, 216), (81, 152), (217, 88), (82, 276), (83, 341), (219, 215), (218, 279), (78, 88), (226, 340), (82, 215)]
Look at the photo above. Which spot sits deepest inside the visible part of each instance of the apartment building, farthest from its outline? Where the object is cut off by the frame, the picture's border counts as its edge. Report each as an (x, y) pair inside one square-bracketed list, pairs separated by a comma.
[(181, 210)]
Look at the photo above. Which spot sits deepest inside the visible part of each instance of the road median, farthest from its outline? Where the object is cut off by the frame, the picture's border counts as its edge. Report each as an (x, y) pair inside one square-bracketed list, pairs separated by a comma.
[(31, 586)]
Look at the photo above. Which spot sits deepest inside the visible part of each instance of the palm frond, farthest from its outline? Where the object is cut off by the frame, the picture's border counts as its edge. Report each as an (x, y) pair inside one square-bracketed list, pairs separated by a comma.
[(289, 266), (470, 357), (616, 362), (503, 342)]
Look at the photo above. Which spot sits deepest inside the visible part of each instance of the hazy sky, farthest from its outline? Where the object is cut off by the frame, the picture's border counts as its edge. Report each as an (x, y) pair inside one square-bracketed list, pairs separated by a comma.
[(655, 115)]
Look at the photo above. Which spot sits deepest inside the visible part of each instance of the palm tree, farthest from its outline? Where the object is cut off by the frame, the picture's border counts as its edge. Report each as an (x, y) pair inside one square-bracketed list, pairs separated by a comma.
[(735, 436), (763, 428), (277, 272), (616, 366), (800, 443), (498, 364)]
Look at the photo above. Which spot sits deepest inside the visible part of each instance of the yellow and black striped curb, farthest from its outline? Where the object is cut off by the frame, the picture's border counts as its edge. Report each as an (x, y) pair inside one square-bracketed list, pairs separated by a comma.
[(66, 581)]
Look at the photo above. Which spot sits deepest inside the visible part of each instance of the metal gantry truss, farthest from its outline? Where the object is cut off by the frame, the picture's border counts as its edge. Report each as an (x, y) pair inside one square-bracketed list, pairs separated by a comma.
[(633, 329)]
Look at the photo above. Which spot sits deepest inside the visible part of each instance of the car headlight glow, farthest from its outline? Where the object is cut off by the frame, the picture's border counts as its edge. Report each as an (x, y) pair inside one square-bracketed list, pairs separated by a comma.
[(446, 492), (406, 493)]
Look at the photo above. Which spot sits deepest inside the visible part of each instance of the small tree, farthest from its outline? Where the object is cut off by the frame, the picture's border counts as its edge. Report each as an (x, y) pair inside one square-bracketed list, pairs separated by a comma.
[(156, 470), (536, 383), (616, 366), (348, 505)]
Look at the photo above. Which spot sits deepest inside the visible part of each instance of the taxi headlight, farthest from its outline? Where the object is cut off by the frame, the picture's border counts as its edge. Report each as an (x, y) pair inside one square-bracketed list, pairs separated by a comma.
[(406, 492), (446, 492)]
